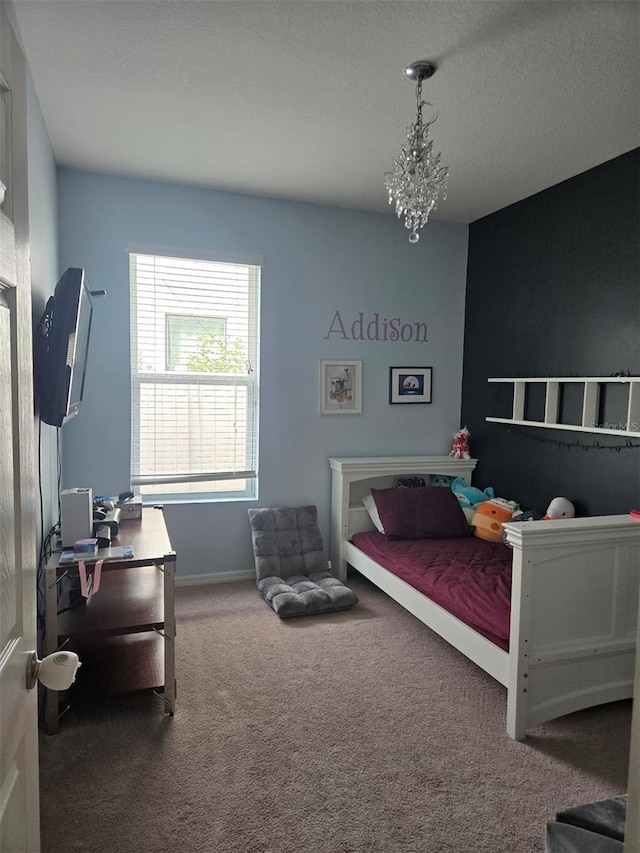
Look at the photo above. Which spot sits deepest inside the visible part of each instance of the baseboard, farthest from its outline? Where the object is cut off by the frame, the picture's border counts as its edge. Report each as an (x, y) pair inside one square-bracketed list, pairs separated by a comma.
[(217, 577)]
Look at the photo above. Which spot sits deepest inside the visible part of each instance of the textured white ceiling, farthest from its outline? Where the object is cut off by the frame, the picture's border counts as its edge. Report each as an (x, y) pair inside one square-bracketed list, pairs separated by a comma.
[(308, 100)]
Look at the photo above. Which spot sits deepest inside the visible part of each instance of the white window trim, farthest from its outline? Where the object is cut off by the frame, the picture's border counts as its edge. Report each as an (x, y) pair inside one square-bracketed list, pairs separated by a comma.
[(251, 493)]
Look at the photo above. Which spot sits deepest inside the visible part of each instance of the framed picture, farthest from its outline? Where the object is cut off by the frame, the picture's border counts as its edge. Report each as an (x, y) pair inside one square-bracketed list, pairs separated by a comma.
[(409, 384), (340, 387)]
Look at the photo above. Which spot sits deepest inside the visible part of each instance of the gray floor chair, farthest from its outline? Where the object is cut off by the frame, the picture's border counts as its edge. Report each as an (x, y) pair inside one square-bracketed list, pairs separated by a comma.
[(592, 828), (291, 568)]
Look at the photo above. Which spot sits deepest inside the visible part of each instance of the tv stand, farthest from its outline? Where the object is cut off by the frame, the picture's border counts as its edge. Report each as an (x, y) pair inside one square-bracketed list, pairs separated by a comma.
[(125, 632)]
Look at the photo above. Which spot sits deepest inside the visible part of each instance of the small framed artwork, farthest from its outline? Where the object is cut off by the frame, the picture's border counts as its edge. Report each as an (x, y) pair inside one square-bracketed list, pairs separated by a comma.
[(409, 385), (340, 387)]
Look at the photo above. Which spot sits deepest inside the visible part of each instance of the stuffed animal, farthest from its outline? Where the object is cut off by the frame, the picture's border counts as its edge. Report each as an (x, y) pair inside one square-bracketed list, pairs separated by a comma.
[(468, 496), (460, 445), (527, 515), (560, 508), (441, 480), (490, 516), (409, 483)]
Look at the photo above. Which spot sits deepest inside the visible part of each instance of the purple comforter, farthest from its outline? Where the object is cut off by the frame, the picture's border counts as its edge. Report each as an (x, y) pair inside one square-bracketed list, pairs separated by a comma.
[(468, 577)]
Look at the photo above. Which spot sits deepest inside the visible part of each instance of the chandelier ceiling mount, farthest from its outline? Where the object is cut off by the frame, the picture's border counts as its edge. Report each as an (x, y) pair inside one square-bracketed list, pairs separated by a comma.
[(420, 70)]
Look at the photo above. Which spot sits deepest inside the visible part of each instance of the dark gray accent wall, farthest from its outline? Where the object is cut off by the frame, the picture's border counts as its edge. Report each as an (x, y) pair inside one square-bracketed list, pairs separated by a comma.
[(553, 289)]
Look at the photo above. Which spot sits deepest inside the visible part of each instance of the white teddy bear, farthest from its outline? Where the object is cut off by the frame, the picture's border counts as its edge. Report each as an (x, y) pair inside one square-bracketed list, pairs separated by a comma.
[(560, 508)]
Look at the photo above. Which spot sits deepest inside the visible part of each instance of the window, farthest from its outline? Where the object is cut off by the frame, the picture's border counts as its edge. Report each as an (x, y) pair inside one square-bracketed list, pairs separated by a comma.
[(194, 385)]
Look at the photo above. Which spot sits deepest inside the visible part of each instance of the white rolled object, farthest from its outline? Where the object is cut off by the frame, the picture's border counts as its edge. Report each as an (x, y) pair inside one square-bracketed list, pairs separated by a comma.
[(58, 670)]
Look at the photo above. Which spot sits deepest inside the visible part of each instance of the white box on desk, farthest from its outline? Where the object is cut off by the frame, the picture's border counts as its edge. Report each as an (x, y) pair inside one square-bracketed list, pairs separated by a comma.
[(76, 515), (130, 510)]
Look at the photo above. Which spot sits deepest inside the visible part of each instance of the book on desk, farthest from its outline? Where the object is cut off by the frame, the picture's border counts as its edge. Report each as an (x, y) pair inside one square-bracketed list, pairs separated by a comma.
[(118, 552)]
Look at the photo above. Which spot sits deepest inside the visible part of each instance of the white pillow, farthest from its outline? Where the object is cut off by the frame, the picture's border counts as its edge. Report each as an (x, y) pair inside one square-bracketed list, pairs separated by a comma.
[(469, 513), (372, 509)]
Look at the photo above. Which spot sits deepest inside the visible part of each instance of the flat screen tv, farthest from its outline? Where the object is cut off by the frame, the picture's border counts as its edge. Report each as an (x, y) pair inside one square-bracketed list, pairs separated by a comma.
[(62, 345)]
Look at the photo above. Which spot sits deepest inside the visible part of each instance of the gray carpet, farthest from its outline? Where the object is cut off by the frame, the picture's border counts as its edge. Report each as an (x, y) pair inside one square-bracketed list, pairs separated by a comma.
[(354, 731)]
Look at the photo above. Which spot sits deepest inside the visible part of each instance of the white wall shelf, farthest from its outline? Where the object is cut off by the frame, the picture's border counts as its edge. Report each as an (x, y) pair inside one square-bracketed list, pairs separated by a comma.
[(591, 391)]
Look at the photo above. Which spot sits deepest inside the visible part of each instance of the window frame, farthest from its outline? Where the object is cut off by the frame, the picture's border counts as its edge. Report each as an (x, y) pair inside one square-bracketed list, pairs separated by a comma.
[(250, 380)]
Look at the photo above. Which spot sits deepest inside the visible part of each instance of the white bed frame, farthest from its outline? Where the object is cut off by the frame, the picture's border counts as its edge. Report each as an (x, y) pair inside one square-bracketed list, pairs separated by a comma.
[(574, 601)]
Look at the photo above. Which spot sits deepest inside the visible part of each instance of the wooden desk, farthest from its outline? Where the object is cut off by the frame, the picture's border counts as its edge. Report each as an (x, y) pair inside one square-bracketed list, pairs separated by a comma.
[(125, 632)]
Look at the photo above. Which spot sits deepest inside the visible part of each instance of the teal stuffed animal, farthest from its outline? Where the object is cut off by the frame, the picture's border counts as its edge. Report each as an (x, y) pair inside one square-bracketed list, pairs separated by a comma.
[(469, 496)]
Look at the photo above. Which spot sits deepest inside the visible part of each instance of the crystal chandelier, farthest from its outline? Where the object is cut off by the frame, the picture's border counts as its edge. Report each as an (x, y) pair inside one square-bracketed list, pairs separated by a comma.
[(417, 178)]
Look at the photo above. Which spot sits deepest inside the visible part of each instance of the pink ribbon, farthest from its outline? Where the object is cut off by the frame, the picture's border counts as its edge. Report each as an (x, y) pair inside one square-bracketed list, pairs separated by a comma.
[(97, 573)]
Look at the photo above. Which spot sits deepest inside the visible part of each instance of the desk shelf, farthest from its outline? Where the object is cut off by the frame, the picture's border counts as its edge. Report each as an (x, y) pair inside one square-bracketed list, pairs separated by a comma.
[(129, 601), (118, 666), (116, 632)]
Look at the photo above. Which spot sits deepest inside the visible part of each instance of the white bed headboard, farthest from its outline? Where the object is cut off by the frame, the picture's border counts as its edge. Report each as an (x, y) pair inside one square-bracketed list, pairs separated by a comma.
[(352, 478)]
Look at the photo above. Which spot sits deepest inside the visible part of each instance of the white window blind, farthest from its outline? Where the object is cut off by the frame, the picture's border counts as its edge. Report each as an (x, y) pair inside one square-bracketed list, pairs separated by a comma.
[(194, 386)]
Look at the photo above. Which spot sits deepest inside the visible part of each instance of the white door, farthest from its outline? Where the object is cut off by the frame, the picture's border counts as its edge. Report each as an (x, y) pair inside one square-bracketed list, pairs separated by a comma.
[(19, 801)]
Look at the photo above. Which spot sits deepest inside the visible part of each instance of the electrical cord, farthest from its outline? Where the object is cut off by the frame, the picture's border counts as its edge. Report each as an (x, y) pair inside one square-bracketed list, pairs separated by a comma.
[(48, 540)]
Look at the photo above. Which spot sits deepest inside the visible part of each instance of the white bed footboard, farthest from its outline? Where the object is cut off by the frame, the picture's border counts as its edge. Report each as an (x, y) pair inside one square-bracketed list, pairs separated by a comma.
[(574, 610), (574, 601)]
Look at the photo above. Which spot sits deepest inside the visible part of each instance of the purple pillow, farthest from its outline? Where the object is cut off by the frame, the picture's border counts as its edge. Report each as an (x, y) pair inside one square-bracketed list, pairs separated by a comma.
[(421, 513)]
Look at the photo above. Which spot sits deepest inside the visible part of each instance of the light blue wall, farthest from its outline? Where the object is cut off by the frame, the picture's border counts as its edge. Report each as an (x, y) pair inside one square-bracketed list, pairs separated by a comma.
[(43, 234), (316, 261)]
